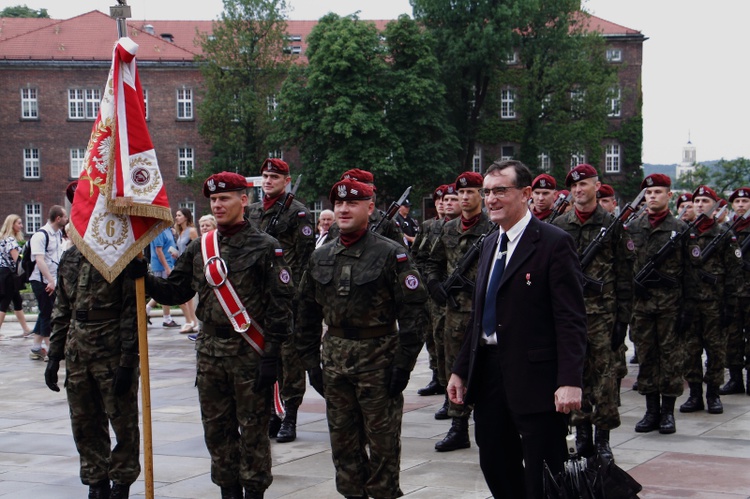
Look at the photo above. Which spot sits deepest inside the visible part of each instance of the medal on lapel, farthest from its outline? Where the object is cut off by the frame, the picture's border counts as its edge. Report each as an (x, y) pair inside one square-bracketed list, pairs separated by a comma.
[(528, 279)]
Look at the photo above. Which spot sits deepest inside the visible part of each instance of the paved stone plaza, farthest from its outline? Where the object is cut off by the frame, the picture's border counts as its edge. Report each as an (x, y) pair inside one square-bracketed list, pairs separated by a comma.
[(708, 457)]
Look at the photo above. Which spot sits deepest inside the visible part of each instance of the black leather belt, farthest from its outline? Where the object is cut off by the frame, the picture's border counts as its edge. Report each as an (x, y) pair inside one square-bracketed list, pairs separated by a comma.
[(223, 332), (97, 315), (361, 333)]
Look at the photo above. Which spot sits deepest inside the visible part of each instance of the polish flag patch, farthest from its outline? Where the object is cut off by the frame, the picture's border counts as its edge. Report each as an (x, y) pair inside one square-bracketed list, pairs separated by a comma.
[(401, 257), (279, 252)]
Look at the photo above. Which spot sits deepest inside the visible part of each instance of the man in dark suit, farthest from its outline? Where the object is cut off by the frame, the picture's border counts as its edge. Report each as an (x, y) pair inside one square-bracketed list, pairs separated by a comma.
[(521, 363)]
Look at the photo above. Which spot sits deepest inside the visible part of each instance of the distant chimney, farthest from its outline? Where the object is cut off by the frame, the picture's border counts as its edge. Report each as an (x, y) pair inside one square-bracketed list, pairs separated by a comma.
[(149, 28), (167, 37)]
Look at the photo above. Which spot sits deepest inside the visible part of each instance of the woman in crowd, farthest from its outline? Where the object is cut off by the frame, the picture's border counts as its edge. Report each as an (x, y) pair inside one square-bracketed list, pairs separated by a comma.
[(207, 223), (185, 231), (10, 251)]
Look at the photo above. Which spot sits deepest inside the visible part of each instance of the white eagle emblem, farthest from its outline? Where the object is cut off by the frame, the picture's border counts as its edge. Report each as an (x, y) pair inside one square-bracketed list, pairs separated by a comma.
[(575, 175), (211, 185), (649, 182), (342, 191)]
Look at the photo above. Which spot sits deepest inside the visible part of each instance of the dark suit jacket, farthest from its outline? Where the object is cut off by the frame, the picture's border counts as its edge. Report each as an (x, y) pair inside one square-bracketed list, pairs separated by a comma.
[(541, 319)]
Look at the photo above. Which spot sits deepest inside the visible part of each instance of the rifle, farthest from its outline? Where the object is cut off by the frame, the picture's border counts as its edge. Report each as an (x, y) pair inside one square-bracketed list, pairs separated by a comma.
[(560, 203), (392, 209), (635, 216), (456, 281), (716, 241), (271, 227), (596, 245)]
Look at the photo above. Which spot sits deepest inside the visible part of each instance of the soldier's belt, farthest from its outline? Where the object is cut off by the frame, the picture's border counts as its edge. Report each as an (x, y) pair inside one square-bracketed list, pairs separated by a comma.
[(97, 315), (361, 333)]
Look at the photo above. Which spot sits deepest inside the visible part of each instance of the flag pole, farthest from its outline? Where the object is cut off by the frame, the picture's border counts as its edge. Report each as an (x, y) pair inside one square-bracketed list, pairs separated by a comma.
[(120, 13)]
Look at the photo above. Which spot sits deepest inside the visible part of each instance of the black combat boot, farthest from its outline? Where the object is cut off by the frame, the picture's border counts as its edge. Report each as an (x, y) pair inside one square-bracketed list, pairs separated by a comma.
[(584, 440), (120, 491), (274, 424), (666, 425), (249, 494), (734, 385), (288, 430), (442, 413), (99, 490), (650, 421), (713, 401), (694, 403), (233, 492), (602, 445), (432, 388), (457, 437)]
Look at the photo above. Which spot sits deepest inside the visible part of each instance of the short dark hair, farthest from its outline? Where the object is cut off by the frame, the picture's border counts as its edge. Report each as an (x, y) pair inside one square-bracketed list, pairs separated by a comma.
[(56, 211), (523, 174)]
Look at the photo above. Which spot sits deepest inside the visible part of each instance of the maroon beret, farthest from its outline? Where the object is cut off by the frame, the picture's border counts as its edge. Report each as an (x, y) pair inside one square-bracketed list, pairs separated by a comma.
[(656, 180), (605, 191), (684, 198), (439, 193), (275, 165), (350, 190), (359, 176), (706, 192), (579, 173), (469, 179), (742, 192), (563, 192), (450, 189), (70, 190), (224, 182), (722, 203), (544, 181)]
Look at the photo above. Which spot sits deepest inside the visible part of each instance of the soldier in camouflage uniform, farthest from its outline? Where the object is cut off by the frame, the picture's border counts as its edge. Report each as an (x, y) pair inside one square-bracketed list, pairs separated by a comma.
[(234, 383), (685, 205), (608, 295), (738, 342), (455, 239), (543, 194), (658, 321), (370, 294), (94, 329), (711, 293), (296, 236)]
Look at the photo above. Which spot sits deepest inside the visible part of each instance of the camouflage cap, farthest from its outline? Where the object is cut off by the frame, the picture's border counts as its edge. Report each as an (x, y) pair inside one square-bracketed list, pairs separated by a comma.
[(224, 182)]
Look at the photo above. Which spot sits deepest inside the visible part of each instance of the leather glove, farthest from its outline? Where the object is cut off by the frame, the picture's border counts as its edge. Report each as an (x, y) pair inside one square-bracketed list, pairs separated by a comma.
[(316, 380), (684, 320), (437, 292), (399, 378), (123, 380), (50, 374), (267, 372), (619, 332), (138, 267), (727, 316)]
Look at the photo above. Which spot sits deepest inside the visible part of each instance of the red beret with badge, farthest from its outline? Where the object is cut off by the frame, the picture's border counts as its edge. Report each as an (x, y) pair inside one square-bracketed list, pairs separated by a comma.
[(275, 165), (350, 190), (605, 191), (656, 180), (439, 193), (544, 181), (706, 192), (224, 182), (684, 198), (359, 176), (742, 192), (469, 180), (580, 172), (450, 190), (70, 190)]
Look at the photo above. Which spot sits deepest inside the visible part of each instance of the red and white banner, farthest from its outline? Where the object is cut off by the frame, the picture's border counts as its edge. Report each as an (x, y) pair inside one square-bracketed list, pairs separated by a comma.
[(120, 204)]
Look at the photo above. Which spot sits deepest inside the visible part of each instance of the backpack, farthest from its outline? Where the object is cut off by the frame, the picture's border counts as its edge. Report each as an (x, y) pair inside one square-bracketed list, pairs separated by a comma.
[(27, 264)]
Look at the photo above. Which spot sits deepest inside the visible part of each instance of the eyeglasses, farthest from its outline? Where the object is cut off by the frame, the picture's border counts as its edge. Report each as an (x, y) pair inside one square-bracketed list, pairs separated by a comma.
[(498, 192)]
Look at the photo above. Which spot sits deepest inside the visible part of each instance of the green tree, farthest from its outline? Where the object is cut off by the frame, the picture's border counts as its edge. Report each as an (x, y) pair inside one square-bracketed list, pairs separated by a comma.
[(689, 181), (23, 11), (730, 175), (243, 66)]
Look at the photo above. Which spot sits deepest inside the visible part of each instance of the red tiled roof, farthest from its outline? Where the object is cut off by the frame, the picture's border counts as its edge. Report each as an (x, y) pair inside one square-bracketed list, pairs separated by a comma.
[(14, 26)]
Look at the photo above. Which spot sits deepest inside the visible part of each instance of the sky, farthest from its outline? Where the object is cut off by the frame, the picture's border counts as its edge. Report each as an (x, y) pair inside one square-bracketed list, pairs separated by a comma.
[(693, 82)]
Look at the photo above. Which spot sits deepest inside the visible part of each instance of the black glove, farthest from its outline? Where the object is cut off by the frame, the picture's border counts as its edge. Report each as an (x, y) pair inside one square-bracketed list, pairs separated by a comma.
[(316, 380), (123, 380), (618, 334), (727, 316), (138, 267), (684, 320), (267, 372), (437, 292), (399, 378), (50, 374)]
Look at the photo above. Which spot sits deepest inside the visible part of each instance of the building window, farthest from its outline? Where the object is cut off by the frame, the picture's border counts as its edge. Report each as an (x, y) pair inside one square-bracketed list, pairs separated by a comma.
[(512, 58), (76, 161), (508, 104), (293, 49), (31, 168), (506, 153), (33, 220), (544, 162), (577, 158), (576, 99), (612, 158), (184, 104), (294, 38), (83, 104), (186, 162), (189, 206), (476, 160), (613, 102), (614, 55), (272, 104), (29, 104), (145, 103)]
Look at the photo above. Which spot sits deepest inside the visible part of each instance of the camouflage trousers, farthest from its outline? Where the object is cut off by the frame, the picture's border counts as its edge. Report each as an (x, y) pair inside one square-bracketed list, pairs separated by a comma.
[(235, 421), (453, 337), (705, 334), (93, 407), (619, 362), (292, 380), (437, 318), (738, 340), (660, 352), (599, 402), (361, 415)]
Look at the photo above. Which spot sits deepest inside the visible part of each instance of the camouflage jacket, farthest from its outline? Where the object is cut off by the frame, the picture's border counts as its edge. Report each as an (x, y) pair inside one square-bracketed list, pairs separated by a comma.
[(716, 278), (448, 250), (389, 228), (295, 232), (429, 232), (81, 290), (648, 241), (260, 276), (613, 264), (744, 281), (371, 284)]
